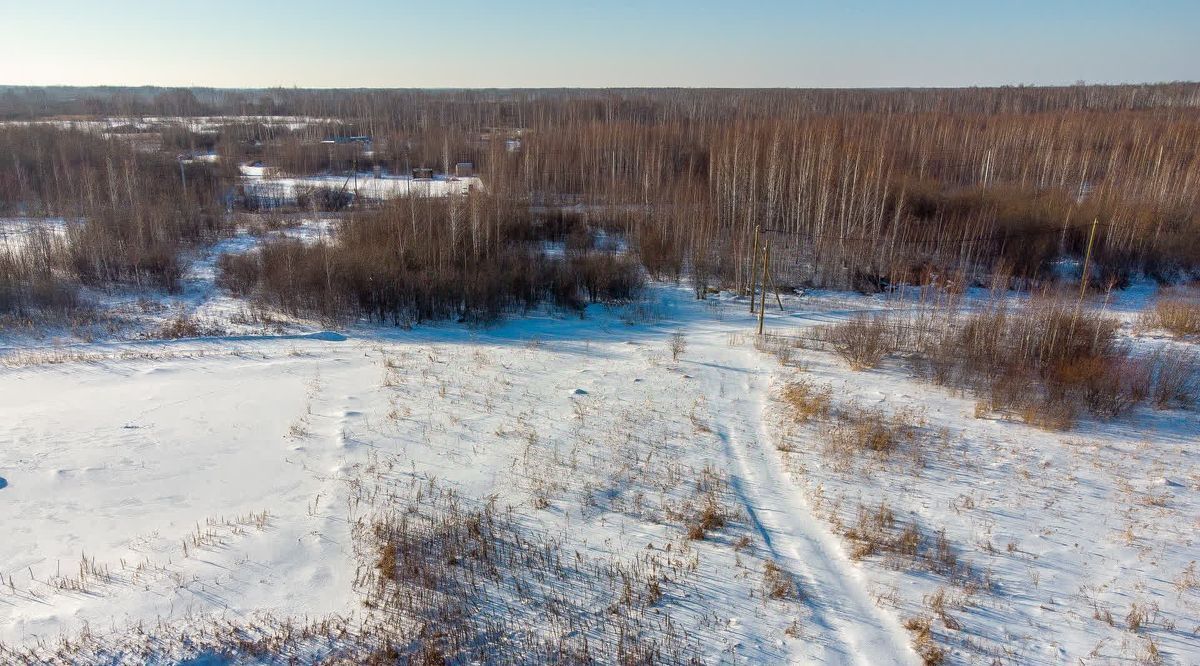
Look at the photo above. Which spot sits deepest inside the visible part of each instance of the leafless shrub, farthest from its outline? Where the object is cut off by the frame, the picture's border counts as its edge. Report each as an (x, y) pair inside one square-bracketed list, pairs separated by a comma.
[(863, 341), (1176, 378), (1046, 362), (33, 283), (238, 273), (1049, 414), (323, 198), (404, 262), (1177, 314), (677, 344)]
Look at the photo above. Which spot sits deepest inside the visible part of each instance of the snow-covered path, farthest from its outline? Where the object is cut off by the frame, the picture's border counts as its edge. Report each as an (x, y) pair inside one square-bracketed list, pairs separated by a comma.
[(851, 628)]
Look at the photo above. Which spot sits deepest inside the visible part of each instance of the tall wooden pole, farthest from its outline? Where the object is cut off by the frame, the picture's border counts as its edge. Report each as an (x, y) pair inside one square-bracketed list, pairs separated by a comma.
[(1083, 279), (762, 311), (753, 272), (775, 289), (1087, 260)]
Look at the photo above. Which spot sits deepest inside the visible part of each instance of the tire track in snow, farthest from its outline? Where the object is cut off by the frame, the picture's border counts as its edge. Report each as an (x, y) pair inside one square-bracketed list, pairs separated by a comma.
[(851, 628)]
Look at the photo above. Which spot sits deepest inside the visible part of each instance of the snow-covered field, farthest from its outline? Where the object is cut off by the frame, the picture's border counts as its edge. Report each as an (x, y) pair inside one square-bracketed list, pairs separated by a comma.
[(160, 484), (192, 123), (16, 233)]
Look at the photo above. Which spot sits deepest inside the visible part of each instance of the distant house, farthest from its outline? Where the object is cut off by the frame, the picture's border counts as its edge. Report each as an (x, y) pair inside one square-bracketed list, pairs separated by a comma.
[(511, 136), (339, 140), (422, 173), (258, 170), (464, 169)]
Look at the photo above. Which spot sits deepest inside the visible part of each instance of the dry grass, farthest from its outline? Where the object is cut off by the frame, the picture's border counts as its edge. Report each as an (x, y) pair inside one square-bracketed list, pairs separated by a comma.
[(777, 584), (781, 347), (857, 430), (186, 326), (1177, 314), (923, 641), (712, 515), (485, 583), (904, 545), (807, 402)]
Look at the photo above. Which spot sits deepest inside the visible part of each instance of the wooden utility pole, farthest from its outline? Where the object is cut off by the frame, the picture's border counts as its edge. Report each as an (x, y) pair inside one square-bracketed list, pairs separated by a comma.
[(753, 261), (1087, 260), (766, 261), (1083, 279), (776, 290)]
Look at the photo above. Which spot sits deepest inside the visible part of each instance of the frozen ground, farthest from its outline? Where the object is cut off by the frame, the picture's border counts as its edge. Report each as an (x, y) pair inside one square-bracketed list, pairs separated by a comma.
[(169, 482)]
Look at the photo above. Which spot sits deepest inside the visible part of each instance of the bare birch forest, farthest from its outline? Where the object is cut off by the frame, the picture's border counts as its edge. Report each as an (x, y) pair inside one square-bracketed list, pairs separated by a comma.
[(852, 188)]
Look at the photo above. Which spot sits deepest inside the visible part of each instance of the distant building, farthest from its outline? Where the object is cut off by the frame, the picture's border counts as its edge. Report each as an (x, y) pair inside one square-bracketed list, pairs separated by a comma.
[(258, 170), (464, 169), (339, 140), (422, 173)]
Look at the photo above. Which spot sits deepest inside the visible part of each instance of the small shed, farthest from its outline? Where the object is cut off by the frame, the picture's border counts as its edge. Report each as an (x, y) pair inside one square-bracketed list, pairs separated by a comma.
[(422, 173)]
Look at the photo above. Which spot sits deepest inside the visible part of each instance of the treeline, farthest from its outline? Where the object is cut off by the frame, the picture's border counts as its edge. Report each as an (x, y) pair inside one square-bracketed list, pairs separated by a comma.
[(469, 109), (469, 258), (851, 188), (854, 188), (129, 214)]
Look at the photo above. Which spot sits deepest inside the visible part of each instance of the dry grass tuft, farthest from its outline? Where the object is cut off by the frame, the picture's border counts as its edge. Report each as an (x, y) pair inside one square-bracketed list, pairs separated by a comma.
[(922, 630), (806, 402), (777, 584), (860, 430), (186, 326)]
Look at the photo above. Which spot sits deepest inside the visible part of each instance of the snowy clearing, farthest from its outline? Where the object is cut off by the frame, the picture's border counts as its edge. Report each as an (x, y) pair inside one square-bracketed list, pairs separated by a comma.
[(16, 233), (223, 477)]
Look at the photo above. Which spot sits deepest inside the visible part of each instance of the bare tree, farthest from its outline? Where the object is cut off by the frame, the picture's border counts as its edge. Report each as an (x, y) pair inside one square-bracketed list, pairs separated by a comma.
[(677, 344)]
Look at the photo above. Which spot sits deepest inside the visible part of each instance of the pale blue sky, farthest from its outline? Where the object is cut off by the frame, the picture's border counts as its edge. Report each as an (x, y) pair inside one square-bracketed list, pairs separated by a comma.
[(537, 43)]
